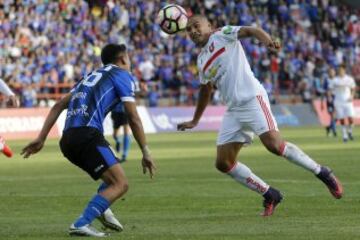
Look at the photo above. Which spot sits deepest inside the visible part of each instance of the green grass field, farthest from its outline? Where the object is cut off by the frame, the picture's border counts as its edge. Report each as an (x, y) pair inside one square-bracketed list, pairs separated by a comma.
[(188, 199)]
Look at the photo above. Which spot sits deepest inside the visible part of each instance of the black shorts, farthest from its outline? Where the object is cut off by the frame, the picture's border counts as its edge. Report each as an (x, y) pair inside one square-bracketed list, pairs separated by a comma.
[(87, 148), (119, 119)]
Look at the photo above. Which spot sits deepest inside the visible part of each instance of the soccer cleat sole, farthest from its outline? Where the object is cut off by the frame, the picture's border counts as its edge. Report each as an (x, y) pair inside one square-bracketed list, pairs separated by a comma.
[(7, 151), (267, 213), (339, 192), (109, 225), (79, 233), (76, 233)]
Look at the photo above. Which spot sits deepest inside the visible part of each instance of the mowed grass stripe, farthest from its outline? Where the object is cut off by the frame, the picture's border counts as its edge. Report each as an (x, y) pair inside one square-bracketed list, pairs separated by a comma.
[(188, 199)]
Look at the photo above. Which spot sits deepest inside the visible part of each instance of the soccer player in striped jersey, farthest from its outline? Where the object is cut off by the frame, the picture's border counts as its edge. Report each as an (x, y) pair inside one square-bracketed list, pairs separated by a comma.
[(83, 143), (223, 65)]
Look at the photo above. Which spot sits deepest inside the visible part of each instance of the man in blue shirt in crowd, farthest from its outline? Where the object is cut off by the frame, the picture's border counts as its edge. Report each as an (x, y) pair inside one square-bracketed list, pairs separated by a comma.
[(83, 142)]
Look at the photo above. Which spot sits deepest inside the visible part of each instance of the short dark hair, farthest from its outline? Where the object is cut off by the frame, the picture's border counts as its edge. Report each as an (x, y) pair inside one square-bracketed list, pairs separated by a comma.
[(343, 65), (111, 51)]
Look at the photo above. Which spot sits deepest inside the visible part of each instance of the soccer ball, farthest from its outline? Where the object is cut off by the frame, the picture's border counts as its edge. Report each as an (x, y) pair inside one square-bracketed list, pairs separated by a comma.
[(172, 18)]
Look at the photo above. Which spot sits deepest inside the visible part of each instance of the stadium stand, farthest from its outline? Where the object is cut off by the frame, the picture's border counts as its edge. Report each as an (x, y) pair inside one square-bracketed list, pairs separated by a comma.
[(46, 46)]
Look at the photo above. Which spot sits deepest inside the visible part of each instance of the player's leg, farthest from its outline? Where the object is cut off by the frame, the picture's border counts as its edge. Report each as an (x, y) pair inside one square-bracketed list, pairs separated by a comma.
[(116, 127), (275, 144), (350, 128), (108, 218), (341, 115), (344, 130), (226, 163), (230, 140), (117, 139), (126, 142), (117, 186), (333, 123), (273, 141), (349, 114), (88, 149), (5, 149)]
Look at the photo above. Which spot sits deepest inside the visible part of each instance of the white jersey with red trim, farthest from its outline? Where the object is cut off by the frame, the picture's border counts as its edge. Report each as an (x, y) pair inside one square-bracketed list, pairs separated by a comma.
[(223, 62), (341, 87)]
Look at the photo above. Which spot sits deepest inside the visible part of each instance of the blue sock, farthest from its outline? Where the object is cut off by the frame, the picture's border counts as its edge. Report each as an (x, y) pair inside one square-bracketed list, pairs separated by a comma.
[(102, 187), (126, 147), (117, 142), (333, 125), (95, 208)]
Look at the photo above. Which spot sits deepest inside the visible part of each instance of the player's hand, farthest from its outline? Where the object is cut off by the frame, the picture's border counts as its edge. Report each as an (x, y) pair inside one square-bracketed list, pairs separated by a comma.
[(273, 45), (14, 101), (186, 125), (32, 148), (148, 165)]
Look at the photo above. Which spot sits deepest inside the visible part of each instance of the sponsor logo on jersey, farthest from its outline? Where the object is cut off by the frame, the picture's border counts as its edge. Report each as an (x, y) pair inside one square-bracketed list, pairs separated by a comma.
[(82, 111), (227, 30), (97, 169)]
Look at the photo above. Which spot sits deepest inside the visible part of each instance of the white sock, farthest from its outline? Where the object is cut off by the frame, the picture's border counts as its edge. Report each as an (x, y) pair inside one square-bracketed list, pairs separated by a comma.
[(344, 132), (294, 154), (243, 175)]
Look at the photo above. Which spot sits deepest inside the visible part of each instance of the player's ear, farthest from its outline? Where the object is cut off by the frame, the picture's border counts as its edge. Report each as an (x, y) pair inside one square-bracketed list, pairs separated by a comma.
[(122, 59)]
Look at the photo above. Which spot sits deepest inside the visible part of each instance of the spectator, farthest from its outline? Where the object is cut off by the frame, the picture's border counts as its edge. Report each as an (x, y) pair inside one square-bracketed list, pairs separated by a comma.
[(28, 97), (56, 42)]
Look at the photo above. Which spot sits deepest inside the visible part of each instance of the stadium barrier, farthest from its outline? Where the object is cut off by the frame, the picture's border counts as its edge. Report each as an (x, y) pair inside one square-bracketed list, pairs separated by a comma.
[(324, 117), (26, 123)]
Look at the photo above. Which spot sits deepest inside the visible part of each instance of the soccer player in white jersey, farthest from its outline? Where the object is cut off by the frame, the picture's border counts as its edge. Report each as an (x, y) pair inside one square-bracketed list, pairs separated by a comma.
[(13, 100), (223, 65), (343, 88)]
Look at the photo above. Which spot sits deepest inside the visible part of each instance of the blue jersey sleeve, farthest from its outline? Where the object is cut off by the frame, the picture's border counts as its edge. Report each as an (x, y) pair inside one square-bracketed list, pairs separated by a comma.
[(125, 86)]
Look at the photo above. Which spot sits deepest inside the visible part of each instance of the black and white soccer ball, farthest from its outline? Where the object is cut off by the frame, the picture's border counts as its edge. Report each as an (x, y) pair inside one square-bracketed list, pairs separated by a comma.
[(172, 18)]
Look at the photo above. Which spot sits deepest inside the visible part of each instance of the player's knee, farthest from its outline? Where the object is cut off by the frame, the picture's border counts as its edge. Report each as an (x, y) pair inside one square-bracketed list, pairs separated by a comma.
[(274, 147), (222, 166), (121, 187)]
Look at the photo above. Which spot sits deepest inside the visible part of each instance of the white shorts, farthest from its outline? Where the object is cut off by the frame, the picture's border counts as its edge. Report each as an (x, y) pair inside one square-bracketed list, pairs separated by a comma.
[(344, 110), (240, 124)]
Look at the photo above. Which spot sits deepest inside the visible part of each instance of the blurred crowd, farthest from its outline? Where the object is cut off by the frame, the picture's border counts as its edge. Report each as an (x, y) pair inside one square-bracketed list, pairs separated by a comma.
[(46, 46)]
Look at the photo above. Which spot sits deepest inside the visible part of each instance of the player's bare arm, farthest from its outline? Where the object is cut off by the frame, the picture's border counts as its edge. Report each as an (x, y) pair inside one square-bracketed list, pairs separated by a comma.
[(352, 94), (261, 35), (36, 145), (204, 99), (9, 94), (139, 135), (13, 101)]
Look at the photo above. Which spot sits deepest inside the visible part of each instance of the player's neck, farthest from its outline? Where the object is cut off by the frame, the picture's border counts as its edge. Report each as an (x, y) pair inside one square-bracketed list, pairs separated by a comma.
[(206, 40), (122, 66)]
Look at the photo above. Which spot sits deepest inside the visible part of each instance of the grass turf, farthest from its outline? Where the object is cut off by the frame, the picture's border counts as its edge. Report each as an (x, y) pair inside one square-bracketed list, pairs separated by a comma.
[(188, 199)]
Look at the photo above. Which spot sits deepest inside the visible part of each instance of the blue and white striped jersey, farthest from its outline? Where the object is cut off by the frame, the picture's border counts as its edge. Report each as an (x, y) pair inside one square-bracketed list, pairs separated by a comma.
[(97, 94)]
